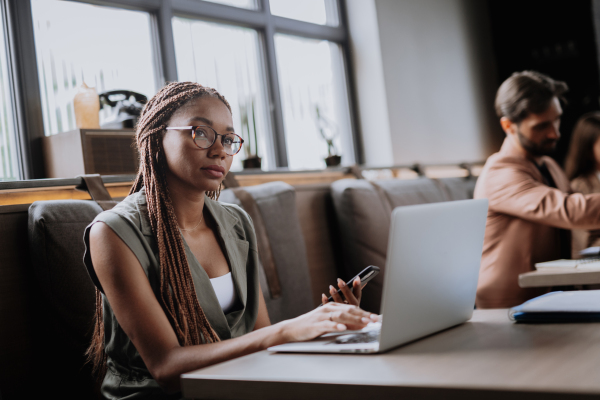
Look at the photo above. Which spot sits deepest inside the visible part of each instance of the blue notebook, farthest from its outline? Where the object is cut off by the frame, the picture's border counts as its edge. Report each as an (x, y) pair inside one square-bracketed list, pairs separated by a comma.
[(573, 306)]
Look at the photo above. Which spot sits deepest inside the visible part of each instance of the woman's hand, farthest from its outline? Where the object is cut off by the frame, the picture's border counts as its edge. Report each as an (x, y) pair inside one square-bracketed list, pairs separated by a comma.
[(352, 296), (332, 317)]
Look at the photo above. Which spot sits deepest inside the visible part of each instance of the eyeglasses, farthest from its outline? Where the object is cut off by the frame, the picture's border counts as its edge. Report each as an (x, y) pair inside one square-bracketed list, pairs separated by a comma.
[(205, 136)]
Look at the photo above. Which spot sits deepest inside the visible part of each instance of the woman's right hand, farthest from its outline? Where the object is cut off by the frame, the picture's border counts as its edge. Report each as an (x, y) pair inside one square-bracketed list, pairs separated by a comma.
[(332, 317)]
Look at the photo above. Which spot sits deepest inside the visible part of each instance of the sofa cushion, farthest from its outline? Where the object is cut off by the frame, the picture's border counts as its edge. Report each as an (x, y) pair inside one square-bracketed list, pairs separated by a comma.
[(459, 188), (277, 204), (363, 211), (320, 230), (56, 246)]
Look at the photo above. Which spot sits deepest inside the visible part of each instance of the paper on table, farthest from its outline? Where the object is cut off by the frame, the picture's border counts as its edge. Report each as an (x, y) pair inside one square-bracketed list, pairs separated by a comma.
[(589, 265), (579, 264)]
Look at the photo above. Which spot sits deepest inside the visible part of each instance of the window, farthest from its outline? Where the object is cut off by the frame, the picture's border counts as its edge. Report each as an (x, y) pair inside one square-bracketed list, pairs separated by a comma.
[(230, 63), (321, 12), (9, 161), (236, 3), (105, 48), (280, 64), (313, 96), (298, 85)]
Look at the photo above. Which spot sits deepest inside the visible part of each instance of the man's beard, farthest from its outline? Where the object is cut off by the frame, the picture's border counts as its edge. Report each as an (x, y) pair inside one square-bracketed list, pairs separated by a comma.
[(545, 148)]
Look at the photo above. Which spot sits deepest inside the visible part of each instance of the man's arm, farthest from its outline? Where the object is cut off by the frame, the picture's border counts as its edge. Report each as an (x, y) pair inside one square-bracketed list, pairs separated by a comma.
[(512, 190), (589, 238)]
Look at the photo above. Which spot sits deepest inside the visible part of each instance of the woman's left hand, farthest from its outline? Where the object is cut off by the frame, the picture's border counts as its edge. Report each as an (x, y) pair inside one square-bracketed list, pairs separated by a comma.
[(352, 296)]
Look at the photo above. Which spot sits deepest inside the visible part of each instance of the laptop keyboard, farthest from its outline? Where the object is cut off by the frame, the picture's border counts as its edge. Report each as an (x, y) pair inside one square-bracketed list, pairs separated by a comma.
[(365, 337)]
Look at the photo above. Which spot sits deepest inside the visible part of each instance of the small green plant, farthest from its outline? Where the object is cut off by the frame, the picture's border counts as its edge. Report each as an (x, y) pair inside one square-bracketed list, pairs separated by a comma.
[(327, 130), (249, 131)]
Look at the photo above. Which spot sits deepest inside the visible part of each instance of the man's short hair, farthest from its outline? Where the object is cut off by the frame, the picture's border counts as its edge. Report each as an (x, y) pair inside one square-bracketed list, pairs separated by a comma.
[(527, 92)]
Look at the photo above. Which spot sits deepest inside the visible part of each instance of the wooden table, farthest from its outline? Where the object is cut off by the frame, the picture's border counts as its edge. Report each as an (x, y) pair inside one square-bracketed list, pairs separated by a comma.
[(559, 277), (489, 357)]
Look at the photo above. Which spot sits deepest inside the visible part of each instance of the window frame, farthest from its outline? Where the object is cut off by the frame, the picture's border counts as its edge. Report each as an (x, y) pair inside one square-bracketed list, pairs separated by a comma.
[(13, 87), (30, 128)]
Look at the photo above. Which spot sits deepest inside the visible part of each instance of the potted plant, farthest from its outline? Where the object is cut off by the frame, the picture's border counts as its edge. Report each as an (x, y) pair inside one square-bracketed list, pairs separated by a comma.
[(328, 132), (249, 133)]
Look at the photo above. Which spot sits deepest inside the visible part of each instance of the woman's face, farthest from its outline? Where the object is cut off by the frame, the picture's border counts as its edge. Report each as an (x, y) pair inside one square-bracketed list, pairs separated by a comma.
[(597, 153), (189, 166)]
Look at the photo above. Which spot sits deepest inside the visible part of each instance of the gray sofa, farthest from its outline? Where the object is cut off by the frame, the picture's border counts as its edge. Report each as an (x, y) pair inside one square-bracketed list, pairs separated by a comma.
[(317, 232)]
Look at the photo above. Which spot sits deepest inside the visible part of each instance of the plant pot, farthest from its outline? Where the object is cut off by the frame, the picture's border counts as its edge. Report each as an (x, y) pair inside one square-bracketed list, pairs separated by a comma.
[(333, 161), (252, 162)]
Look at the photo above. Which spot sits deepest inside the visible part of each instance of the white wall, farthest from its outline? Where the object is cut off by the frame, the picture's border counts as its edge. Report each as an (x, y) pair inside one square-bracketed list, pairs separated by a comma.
[(369, 82), (425, 79)]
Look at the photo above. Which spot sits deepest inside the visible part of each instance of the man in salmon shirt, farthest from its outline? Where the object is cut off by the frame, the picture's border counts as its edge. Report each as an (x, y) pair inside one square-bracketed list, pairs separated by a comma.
[(532, 207)]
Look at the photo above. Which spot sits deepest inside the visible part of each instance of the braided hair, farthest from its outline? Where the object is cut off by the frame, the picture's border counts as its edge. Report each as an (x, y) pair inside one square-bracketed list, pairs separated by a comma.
[(177, 293)]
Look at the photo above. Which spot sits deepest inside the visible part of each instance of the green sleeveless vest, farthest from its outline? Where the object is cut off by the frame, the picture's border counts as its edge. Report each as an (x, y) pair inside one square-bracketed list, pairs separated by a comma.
[(127, 375)]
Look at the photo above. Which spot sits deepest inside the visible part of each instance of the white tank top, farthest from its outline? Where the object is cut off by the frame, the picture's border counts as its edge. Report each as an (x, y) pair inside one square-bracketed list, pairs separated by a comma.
[(223, 286)]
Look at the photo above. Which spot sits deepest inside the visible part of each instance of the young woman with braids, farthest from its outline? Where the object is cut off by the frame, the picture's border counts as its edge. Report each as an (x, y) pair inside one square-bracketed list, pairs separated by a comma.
[(156, 258)]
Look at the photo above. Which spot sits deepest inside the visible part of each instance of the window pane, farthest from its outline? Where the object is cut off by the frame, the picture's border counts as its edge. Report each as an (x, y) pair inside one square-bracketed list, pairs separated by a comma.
[(227, 59), (322, 12), (237, 3), (9, 162), (104, 47), (315, 101)]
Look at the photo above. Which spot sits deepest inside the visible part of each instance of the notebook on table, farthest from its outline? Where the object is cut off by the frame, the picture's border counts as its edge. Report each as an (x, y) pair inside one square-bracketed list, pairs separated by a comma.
[(572, 306), (433, 258)]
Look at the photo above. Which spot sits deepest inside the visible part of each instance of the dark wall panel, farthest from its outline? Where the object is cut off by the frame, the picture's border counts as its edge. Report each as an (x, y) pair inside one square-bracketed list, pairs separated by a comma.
[(555, 37)]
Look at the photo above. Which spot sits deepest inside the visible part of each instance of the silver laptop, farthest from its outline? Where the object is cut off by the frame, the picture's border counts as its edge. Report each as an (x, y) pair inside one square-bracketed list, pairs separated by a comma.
[(433, 258)]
